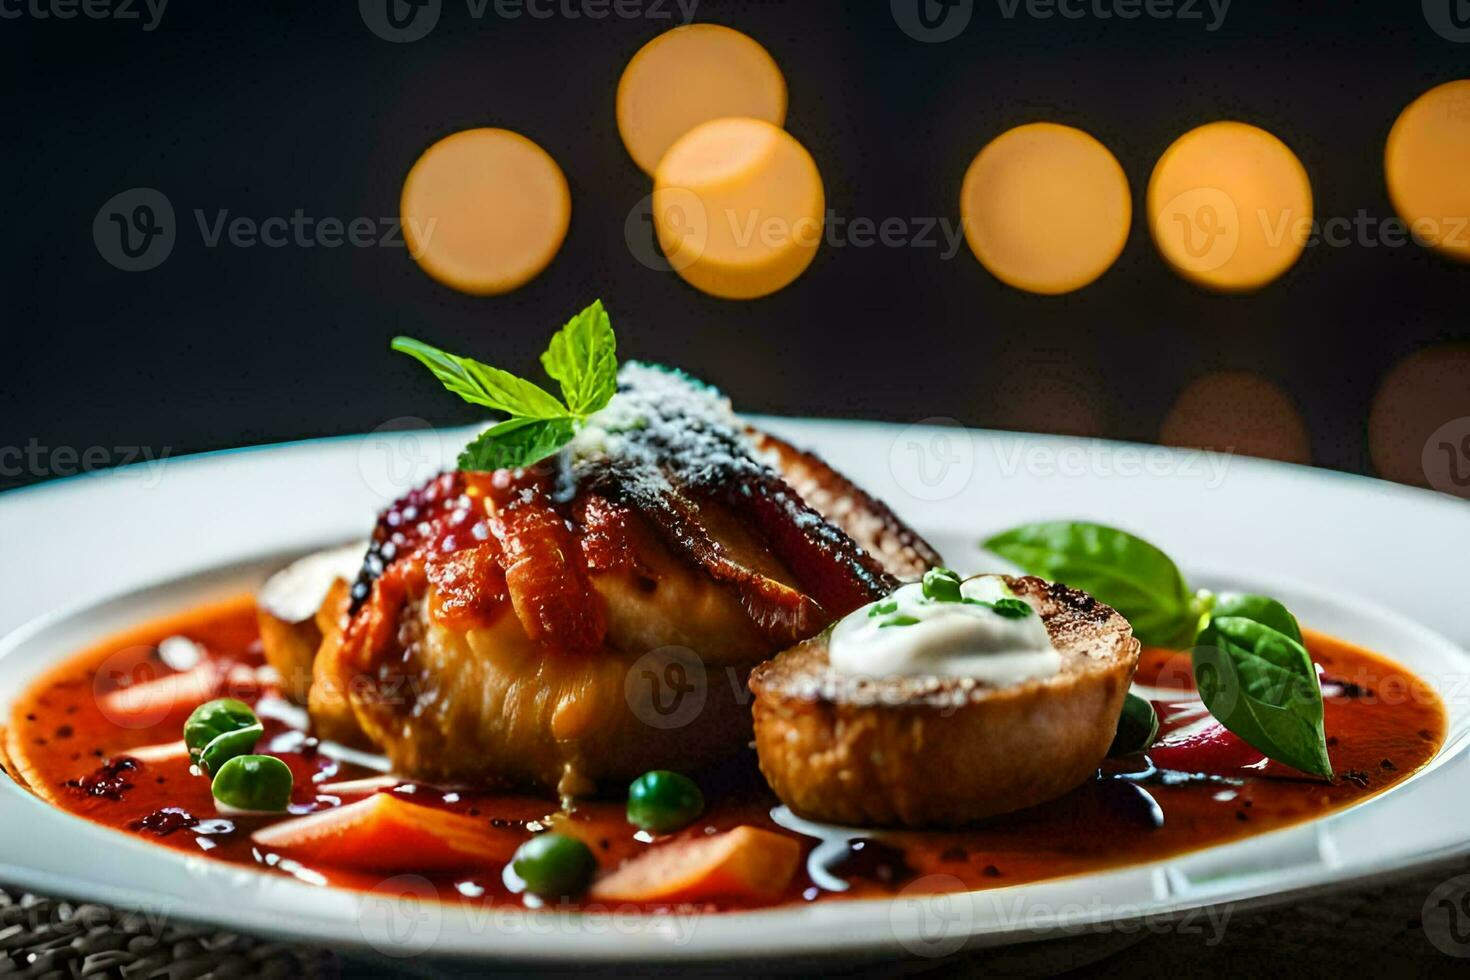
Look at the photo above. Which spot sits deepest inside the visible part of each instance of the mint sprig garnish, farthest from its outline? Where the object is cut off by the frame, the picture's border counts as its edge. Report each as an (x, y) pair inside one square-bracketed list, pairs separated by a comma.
[(582, 358), (516, 442)]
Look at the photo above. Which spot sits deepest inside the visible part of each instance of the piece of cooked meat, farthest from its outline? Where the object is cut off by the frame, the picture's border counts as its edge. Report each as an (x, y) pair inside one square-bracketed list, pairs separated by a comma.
[(866, 520), (332, 716), (596, 615), (923, 751)]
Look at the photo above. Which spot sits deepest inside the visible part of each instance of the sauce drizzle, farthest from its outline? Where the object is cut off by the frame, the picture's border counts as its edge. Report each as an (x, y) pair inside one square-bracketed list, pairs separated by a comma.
[(1197, 786)]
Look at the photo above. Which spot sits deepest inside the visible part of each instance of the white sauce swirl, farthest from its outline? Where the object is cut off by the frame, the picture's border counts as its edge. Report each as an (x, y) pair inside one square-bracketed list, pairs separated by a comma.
[(949, 639)]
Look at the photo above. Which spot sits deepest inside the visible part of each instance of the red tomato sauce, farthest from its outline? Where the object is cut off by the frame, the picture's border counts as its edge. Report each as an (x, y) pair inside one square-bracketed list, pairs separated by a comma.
[(71, 744)]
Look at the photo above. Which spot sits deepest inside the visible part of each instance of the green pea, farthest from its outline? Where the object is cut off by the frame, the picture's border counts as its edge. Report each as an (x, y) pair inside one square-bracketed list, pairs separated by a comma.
[(941, 585), (213, 719), (662, 801), (261, 783), (1138, 726), (227, 745), (554, 865)]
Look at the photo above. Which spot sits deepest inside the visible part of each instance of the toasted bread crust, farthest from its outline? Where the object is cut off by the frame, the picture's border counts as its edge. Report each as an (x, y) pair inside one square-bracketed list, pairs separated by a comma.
[(928, 751)]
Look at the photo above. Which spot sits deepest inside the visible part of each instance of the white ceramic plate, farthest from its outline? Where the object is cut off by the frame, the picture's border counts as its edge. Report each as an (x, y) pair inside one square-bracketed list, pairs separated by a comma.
[(1378, 564)]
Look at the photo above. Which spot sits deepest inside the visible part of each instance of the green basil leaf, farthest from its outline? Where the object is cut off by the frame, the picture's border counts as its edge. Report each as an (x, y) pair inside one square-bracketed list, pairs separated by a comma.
[(582, 356), (1138, 726), (1262, 609), (516, 442), (481, 384), (1261, 684), (1113, 566)]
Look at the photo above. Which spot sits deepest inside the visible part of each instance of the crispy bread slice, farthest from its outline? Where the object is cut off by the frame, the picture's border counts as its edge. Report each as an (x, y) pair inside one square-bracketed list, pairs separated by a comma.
[(924, 751)]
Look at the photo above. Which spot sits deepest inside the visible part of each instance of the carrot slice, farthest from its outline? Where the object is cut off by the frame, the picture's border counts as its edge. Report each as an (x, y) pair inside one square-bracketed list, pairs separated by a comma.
[(166, 752), (742, 863), (385, 833), (151, 702)]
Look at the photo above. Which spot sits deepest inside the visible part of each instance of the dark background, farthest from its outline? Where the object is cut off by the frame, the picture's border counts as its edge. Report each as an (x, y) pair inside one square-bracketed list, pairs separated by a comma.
[(264, 108)]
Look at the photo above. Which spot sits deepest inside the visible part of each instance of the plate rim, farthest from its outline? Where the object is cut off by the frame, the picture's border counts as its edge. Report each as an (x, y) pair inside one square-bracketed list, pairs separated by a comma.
[(792, 942)]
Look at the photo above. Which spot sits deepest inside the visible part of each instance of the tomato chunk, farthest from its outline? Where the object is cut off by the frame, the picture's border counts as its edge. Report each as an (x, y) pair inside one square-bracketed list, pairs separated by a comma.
[(1202, 745)]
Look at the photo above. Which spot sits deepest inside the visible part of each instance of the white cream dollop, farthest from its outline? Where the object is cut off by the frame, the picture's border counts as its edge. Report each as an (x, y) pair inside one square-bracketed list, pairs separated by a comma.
[(297, 591), (949, 639)]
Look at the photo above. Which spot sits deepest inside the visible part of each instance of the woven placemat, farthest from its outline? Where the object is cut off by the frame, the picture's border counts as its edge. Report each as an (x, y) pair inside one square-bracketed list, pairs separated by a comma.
[(1418, 925), (43, 937)]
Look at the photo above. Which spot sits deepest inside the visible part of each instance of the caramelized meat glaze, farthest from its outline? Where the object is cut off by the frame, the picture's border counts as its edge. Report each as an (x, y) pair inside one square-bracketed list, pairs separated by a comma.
[(528, 626)]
